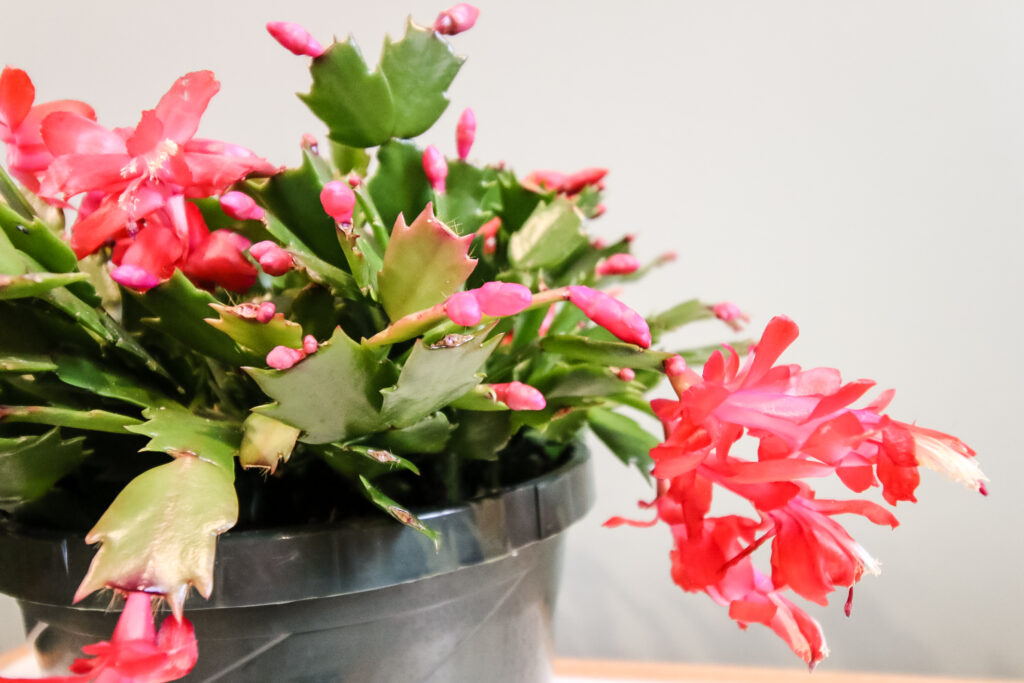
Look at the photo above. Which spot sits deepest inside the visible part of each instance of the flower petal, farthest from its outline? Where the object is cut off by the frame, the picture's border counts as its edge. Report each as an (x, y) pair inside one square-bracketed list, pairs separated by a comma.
[(16, 96), (183, 105)]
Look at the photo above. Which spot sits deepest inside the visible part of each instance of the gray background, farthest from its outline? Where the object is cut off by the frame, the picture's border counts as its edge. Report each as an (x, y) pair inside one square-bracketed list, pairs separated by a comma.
[(855, 165)]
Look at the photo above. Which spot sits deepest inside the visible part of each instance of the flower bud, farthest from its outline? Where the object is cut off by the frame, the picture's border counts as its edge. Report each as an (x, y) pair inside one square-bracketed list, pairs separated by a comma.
[(612, 314), (489, 231), (265, 312), (599, 210), (240, 206), (275, 261), (295, 38), (519, 396), (503, 298), (260, 248), (465, 133), (309, 344), (309, 142), (463, 309), (730, 314), (618, 264), (436, 168), (456, 19), (134, 277), (354, 180), (627, 374), (283, 357), (338, 201)]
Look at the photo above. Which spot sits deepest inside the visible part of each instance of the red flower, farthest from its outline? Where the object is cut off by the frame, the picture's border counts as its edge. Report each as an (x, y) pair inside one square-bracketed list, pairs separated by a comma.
[(136, 652)]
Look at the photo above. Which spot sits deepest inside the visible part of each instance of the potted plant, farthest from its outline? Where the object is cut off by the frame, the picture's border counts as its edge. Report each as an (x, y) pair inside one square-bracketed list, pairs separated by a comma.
[(195, 341)]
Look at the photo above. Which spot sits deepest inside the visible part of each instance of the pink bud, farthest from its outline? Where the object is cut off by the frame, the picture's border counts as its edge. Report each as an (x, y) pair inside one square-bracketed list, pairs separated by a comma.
[(275, 261), (731, 315), (599, 211), (134, 277), (465, 133), (618, 264), (283, 357), (265, 313), (456, 19), (338, 201), (463, 309), (260, 248), (612, 314), (309, 344), (354, 180), (309, 142), (490, 228), (675, 366), (545, 324), (503, 298), (627, 374), (519, 396), (580, 179), (240, 206), (436, 168), (295, 38), (668, 257)]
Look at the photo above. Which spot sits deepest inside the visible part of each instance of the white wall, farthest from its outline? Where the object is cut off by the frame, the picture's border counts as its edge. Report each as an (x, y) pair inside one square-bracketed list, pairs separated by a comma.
[(856, 165)]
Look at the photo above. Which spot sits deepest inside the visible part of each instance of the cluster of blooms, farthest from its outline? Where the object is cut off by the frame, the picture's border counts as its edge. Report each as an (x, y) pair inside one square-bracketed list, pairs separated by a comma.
[(805, 427)]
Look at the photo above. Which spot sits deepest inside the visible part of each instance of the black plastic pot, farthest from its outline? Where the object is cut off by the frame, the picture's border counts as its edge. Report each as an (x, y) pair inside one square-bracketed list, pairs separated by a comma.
[(359, 602)]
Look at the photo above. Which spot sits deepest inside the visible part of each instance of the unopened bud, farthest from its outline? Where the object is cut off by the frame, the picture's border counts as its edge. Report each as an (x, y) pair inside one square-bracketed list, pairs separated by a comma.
[(338, 201), (309, 344), (260, 248), (265, 312), (465, 133), (436, 168), (295, 38), (456, 19), (354, 180), (284, 357), (675, 366), (275, 261), (627, 374), (618, 264), (463, 309), (519, 396), (599, 210), (503, 298), (611, 314), (240, 206), (309, 142)]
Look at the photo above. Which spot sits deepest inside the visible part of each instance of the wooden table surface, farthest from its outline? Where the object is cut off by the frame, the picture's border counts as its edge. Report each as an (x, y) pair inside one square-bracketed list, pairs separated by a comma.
[(570, 670)]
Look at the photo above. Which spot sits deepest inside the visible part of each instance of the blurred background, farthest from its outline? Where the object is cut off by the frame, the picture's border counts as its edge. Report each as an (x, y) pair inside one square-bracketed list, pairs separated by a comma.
[(858, 166)]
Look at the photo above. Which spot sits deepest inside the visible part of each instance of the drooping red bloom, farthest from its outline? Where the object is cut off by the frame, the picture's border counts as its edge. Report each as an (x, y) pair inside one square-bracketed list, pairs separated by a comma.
[(21, 123), (136, 652), (806, 426)]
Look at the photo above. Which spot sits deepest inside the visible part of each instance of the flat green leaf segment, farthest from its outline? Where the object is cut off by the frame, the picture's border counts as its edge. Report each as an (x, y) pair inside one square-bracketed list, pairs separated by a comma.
[(95, 420), (433, 377), (402, 98), (424, 264), (240, 323), (265, 442), (679, 315), (399, 187), (160, 533), (174, 430), (31, 465), (333, 394), (398, 512), (33, 284), (630, 442), (471, 197), (85, 373), (549, 236), (600, 352)]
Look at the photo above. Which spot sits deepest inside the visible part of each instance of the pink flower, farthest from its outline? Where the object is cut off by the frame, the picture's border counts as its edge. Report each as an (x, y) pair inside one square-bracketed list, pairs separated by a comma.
[(617, 264), (240, 206), (568, 184), (465, 133), (21, 123), (338, 201), (456, 19), (612, 314), (519, 396), (463, 309), (284, 357), (436, 168), (502, 298), (295, 38)]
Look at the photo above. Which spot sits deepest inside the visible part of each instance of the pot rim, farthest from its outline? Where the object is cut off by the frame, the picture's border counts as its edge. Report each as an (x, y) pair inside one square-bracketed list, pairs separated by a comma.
[(299, 562)]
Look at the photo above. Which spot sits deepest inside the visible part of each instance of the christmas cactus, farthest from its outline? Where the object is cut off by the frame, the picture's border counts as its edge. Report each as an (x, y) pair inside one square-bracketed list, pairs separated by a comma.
[(186, 327)]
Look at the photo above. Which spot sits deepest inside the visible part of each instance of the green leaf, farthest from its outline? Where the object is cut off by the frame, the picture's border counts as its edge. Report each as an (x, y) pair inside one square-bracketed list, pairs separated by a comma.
[(353, 461), (549, 237), (160, 533), (611, 353), (425, 264), (174, 430), (181, 310), (517, 202), (85, 373), (12, 195), (580, 381), (31, 465), (630, 442), (434, 377), (37, 240), (265, 442), (95, 420), (26, 363), (471, 198), (332, 395), (398, 512), (480, 435), (679, 315), (355, 104), (399, 186), (323, 273), (429, 435), (419, 68), (240, 323), (294, 198), (350, 159), (34, 284)]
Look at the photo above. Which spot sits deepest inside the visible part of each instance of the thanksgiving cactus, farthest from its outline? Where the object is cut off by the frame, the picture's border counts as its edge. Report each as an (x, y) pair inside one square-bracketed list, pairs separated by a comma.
[(182, 320)]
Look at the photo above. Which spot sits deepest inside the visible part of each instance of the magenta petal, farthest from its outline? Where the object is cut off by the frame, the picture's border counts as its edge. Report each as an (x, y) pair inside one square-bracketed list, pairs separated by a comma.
[(134, 277)]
